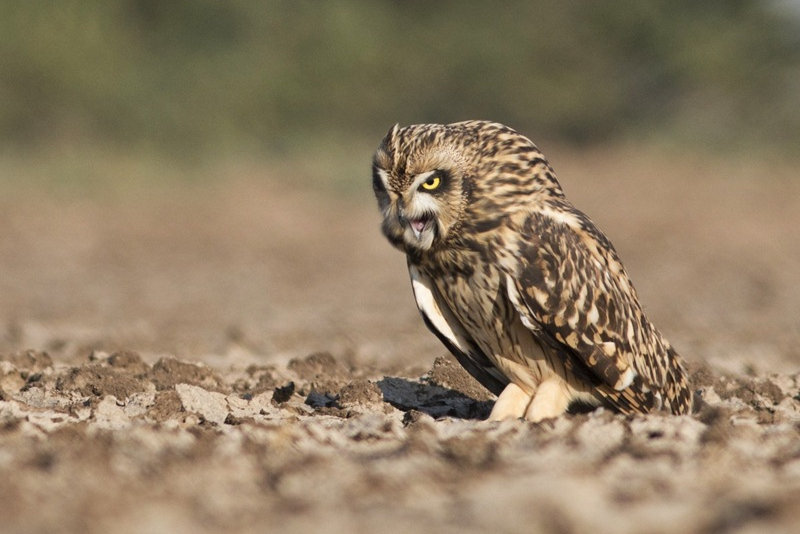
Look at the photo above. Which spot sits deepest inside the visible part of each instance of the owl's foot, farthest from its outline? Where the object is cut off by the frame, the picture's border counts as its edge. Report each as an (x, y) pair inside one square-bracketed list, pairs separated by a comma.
[(510, 404), (552, 399)]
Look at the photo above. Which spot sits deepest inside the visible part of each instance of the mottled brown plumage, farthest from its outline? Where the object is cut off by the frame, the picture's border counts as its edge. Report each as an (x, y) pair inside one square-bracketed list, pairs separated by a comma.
[(521, 287)]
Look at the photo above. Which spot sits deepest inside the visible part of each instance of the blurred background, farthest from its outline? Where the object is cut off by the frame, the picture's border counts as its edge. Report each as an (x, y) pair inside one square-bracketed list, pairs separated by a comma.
[(192, 176), (189, 79)]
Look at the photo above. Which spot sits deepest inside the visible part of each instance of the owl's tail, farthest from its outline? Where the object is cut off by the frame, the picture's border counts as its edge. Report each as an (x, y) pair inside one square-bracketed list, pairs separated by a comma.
[(677, 390), (641, 396)]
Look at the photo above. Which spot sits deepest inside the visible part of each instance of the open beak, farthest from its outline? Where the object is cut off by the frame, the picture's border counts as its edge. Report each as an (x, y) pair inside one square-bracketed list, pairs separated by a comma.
[(419, 225)]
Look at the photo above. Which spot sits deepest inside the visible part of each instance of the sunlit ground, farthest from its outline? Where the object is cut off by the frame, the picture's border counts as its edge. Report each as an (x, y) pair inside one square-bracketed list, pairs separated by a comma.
[(266, 259)]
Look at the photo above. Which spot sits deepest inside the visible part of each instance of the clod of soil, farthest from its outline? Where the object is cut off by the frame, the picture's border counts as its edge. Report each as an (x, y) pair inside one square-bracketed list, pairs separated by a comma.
[(130, 361), (320, 365), (99, 380), (449, 374), (30, 360), (166, 406), (360, 393), (168, 372)]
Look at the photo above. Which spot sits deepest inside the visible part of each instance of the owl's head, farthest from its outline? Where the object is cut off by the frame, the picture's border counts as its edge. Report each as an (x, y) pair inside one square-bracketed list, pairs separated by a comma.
[(433, 180)]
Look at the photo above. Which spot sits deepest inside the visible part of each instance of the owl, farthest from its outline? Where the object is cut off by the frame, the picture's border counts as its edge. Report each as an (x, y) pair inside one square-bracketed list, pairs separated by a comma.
[(520, 286)]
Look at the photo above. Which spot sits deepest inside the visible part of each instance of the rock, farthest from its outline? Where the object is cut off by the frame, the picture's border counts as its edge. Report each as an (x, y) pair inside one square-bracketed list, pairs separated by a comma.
[(109, 415), (210, 405)]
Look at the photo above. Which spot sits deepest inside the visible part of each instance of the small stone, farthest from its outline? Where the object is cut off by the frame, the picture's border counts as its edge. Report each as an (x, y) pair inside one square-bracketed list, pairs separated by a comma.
[(283, 393)]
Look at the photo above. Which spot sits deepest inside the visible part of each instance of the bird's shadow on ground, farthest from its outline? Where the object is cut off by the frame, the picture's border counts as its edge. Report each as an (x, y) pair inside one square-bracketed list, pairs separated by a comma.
[(436, 401)]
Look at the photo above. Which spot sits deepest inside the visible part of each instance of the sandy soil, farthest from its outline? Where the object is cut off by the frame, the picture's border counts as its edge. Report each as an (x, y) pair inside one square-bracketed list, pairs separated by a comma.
[(240, 356)]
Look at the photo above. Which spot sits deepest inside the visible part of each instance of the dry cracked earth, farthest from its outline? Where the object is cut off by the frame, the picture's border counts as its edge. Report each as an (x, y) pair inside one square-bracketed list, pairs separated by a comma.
[(237, 356)]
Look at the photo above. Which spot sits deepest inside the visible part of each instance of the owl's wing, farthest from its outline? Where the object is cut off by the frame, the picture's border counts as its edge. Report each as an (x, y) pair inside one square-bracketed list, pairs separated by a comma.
[(441, 321), (568, 285)]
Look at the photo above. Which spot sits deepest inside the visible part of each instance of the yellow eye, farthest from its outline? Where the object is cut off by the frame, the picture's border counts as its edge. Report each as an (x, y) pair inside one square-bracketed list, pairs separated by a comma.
[(431, 183)]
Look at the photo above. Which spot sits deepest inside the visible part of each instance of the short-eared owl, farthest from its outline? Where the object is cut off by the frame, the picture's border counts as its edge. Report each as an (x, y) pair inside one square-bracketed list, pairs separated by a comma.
[(519, 285)]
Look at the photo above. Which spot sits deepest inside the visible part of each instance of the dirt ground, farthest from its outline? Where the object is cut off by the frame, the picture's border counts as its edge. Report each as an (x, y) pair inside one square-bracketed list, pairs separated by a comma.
[(244, 356)]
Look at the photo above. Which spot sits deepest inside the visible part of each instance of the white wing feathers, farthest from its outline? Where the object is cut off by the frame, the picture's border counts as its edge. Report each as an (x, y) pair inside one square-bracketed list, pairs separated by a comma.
[(441, 321)]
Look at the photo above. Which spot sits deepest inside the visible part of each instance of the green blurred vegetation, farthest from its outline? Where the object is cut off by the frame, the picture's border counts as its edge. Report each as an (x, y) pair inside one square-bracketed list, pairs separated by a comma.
[(196, 77)]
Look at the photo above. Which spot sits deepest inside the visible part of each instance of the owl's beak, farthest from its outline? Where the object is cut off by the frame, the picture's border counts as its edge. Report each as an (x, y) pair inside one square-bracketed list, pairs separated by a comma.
[(419, 225)]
